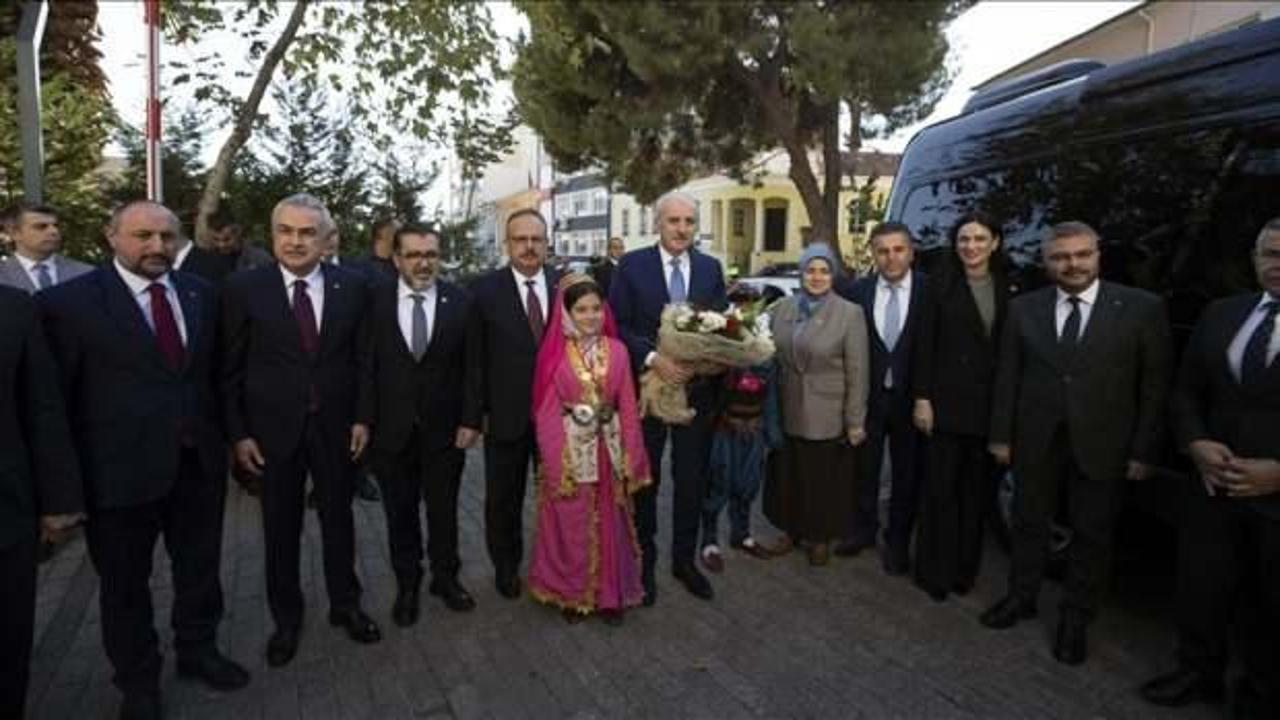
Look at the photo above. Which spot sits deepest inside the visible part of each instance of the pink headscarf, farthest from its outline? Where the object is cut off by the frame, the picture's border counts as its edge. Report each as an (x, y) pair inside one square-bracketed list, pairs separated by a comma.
[(556, 338)]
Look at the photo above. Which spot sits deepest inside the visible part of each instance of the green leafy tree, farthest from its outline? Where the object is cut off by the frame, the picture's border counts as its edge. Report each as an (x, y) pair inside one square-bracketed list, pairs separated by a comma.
[(656, 93), (309, 145), (406, 65), (76, 121)]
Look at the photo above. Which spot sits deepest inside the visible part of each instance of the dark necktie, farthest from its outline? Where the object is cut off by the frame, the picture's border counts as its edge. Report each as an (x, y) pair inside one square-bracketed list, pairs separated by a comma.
[(1071, 328), (166, 327), (1254, 362), (304, 313), (419, 333), (534, 307)]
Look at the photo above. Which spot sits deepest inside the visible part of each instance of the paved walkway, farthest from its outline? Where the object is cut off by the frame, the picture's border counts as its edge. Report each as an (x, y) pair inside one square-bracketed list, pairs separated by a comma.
[(780, 640)]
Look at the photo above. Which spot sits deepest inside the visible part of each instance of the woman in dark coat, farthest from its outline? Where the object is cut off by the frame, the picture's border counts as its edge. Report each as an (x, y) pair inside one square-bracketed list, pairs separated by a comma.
[(955, 366)]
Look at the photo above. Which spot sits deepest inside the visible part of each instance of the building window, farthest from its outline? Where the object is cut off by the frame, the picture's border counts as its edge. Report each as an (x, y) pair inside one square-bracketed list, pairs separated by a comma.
[(626, 221), (579, 204), (739, 221), (644, 221), (599, 202)]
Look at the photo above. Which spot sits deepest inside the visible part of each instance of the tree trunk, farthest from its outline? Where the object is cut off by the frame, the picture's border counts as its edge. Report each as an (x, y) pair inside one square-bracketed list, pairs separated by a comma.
[(831, 167), (778, 115), (221, 169)]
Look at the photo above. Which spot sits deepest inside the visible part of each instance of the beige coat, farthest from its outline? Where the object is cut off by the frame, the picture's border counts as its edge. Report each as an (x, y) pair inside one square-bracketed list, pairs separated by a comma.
[(823, 369)]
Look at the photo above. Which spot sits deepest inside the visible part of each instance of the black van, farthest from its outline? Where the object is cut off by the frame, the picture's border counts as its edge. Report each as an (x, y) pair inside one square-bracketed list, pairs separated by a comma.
[(1173, 157)]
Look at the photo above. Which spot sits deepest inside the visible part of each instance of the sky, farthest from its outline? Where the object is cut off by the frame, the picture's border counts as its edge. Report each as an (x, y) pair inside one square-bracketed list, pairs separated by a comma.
[(990, 37)]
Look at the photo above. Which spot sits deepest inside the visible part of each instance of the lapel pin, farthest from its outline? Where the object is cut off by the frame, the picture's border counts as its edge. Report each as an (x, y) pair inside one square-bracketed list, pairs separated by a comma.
[(443, 300)]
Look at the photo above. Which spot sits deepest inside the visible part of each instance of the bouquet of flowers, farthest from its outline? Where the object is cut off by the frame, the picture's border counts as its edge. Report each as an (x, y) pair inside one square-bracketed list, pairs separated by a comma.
[(708, 341)]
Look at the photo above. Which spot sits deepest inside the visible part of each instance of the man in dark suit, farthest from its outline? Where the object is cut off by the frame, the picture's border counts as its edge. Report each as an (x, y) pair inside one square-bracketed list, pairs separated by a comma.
[(213, 268), (40, 490), (511, 310), (894, 300), (603, 271), (426, 383), (135, 346), (227, 238), (1079, 398), (297, 348), (1226, 413), (644, 283)]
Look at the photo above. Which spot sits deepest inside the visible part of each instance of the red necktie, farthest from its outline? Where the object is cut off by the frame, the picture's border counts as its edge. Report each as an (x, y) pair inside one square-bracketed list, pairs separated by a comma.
[(166, 327), (536, 321), (305, 314)]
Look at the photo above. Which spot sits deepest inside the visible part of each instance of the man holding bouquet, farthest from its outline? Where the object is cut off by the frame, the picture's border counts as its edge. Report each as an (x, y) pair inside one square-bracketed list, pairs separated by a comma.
[(643, 283)]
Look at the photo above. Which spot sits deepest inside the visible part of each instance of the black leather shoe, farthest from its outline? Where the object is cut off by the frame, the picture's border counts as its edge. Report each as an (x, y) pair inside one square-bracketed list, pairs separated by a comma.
[(367, 489), (1007, 613), (1071, 645), (360, 627), (455, 597), (283, 645), (852, 548), (141, 706), (508, 585), (695, 582), (1183, 687), (962, 587), (406, 608), (213, 669)]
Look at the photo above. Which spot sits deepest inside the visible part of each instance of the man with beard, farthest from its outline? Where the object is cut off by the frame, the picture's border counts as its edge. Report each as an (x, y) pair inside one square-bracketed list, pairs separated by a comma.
[(1078, 401), (511, 306), (135, 346), (426, 383)]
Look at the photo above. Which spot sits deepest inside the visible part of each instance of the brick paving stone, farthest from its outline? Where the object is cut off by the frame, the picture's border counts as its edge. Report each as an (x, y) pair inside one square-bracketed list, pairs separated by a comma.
[(781, 640)]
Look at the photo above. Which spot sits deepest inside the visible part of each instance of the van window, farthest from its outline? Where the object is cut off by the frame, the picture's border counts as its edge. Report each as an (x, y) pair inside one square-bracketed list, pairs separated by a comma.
[(1178, 213)]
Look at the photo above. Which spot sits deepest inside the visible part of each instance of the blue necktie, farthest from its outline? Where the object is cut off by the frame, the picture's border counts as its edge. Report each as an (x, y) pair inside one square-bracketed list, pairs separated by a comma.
[(43, 278), (676, 287), (892, 319), (1254, 362)]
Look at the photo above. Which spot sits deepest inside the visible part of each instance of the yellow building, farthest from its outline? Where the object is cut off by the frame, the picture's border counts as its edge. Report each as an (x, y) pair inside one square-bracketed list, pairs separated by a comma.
[(750, 226)]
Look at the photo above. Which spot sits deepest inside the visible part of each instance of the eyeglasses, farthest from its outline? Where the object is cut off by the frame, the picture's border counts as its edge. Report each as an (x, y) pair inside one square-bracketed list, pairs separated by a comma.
[(424, 255)]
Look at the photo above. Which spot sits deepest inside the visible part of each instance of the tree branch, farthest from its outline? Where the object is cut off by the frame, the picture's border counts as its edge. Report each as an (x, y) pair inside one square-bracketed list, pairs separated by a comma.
[(221, 169)]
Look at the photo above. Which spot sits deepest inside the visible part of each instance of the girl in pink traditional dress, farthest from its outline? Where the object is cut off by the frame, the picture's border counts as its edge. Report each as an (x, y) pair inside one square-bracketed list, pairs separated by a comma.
[(585, 556)]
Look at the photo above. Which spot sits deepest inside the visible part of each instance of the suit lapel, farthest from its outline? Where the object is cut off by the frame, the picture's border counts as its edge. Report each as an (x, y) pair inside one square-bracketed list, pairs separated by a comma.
[(868, 300), (277, 292), (1106, 309), (124, 310), (334, 295), (189, 299), (1225, 333), (1045, 324), (516, 301)]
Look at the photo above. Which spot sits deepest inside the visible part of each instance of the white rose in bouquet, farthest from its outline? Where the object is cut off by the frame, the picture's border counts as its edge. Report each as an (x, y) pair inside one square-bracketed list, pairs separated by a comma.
[(709, 322)]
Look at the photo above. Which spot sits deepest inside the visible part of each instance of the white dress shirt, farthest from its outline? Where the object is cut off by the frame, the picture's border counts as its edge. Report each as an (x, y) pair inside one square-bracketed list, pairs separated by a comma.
[(1062, 308), (30, 266), (882, 302), (315, 289), (1235, 351), (539, 288), (405, 311), (138, 285), (686, 268), (181, 257)]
